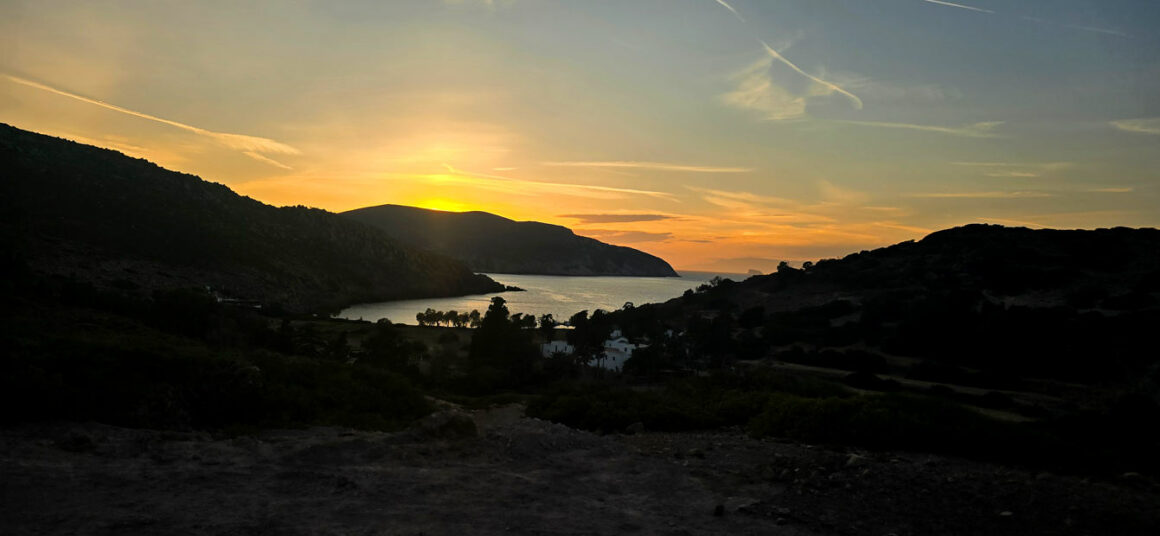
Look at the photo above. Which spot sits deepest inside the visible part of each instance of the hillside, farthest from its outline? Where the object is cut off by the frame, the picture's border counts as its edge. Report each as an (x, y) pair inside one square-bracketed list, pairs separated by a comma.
[(96, 215), (1010, 302), (490, 243)]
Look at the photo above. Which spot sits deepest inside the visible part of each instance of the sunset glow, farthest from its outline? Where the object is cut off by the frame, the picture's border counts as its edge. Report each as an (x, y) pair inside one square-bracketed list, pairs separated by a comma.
[(719, 136)]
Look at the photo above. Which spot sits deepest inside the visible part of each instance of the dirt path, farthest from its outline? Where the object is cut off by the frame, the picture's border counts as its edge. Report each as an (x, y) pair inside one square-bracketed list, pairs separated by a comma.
[(523, 476)]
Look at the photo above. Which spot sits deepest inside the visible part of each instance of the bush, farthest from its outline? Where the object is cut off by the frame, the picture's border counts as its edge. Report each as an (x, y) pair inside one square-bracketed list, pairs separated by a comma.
[(897, 421), (128, 375)]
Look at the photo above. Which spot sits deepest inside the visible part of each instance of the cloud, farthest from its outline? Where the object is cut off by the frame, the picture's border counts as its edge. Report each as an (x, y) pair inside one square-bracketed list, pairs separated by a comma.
[(730, 199), (881, 91), (627, 237), (1016, 169), (1126, 190), (829, 85), (960, 6), (616, 218), (731, 10), (1037, 165), (1139, 126), (259, 157), (652, 165), (1105, 31), (513, 185), (756, 91), (251, 146), (982, 195), (490, 4), (977, 130)]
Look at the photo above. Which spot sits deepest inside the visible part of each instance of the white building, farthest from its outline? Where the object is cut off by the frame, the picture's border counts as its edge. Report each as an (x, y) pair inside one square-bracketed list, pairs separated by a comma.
[(617, 350)]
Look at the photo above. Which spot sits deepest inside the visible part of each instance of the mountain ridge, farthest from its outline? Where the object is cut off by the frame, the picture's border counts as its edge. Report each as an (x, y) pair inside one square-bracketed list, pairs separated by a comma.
[(491, 243), (78, 211)]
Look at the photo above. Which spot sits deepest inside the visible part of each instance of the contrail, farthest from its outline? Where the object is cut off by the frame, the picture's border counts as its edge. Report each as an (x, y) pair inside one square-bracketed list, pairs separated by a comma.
[(730, 8), (651, 165), (777, 56), (251, 146), (960, 6)]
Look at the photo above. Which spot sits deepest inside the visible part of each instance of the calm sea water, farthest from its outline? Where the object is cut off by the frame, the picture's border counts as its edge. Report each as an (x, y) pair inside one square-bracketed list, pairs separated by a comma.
[(559, 295)]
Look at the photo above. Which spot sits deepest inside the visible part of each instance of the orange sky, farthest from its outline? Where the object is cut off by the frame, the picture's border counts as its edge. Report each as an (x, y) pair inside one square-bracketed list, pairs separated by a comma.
[(717, 138)]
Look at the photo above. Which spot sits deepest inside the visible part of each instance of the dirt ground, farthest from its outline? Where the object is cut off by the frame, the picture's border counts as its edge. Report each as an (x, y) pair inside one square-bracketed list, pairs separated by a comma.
[(524, 476)]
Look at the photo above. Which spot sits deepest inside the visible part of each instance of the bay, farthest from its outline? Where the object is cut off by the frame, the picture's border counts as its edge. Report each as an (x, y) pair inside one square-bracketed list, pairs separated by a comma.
[(561, 296)]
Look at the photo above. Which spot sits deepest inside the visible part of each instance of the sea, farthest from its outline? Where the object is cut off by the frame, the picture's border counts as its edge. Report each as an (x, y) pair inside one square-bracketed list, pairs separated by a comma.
[(560, 296)]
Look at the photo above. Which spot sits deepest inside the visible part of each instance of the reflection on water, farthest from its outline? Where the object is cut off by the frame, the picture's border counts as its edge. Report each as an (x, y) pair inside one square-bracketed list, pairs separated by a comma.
[(559, 295)]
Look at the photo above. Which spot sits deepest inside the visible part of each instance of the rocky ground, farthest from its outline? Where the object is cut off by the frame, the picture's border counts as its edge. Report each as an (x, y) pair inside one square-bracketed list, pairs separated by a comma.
[(495, 472)]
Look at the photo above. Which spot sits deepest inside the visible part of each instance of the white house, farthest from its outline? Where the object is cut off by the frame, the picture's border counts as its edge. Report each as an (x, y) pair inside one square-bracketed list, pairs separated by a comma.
[(617, 350)]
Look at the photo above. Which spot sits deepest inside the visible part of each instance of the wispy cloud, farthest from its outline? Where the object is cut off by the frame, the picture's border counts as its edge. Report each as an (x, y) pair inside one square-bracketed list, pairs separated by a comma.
[(1125, 190), (1016, 170), (982, 195), (1095, 29), (719, 197), (1105, 31), (627, 237), (1139, 126), (756, 91), (651, 165), (490, 4), (262, 158), (251, 146), (731, 10), (829, 85), (616, 218), (960, 6), (586, 190), (977, 130)]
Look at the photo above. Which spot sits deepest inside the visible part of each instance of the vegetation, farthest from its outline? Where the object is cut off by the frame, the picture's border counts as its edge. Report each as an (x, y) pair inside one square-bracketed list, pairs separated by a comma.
[(100, 216), (181, 360), (431, 317), (1021, 346)]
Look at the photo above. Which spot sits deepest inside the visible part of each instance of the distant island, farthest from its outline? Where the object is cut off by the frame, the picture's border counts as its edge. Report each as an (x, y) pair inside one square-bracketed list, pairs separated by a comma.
[(98, 217), (494, 244)]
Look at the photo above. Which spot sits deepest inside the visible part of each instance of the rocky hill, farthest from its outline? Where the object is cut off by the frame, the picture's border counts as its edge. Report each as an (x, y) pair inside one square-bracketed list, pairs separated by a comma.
[(1017, 302), (490, 243), (96, 215)]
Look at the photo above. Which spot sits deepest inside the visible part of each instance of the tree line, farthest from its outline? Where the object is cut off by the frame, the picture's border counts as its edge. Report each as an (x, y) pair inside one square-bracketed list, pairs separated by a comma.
[(474, 320)]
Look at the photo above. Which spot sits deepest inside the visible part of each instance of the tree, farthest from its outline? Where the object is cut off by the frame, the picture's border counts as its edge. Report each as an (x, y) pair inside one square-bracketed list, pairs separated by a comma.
[(475, 318), (452, 318), (588, 335), (500, 345), (427, 318), (386, 347), (548, 325)]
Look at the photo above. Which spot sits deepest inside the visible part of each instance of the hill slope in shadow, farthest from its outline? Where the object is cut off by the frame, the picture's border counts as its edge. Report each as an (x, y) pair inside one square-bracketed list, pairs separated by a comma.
[(490, 243), (99, 216)]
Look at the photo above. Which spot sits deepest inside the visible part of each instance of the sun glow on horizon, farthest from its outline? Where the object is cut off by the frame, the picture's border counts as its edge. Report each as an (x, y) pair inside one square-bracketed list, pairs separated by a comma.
[(718, 152), (447, 205)]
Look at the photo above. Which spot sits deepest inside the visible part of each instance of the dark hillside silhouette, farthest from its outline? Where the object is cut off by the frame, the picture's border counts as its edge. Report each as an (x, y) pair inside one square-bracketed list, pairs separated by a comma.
[(490, 243), (97, 215), (1004, 302)]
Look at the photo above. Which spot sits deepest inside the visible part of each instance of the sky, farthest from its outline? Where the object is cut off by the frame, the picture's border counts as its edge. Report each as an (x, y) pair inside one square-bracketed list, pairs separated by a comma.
[(722, 135)]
